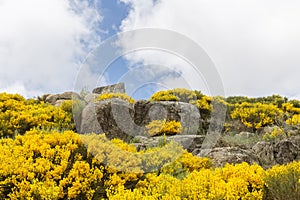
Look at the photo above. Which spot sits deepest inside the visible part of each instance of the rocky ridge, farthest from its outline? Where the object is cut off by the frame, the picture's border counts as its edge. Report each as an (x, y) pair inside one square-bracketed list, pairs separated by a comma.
[(118, 118)]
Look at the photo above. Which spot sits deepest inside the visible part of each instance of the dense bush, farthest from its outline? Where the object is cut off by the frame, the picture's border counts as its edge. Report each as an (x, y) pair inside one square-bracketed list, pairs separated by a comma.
[(115, 95), (163, 127), (257, 115), (46, 163), (42, 165), (164, 96), (231, 182), (283, 182), (274, 99), (18, 115), (178, 94), (275, 135), (294, 120), (52, 165)]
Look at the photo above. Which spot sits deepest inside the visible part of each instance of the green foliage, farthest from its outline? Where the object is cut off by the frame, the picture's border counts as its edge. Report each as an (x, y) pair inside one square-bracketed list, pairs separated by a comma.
[(283, 182), (233, 139), (274, 99), (295, 102)]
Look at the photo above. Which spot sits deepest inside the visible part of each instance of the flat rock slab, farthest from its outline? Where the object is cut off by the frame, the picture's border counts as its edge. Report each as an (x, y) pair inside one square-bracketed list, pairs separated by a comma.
[(116, 88)]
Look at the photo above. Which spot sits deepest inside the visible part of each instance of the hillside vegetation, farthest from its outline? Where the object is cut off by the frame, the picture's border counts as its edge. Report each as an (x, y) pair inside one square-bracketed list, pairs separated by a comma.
[(42, 156)]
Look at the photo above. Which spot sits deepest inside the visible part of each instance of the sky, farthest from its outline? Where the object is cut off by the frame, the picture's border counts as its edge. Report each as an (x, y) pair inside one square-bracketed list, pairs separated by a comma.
[(252, 45)]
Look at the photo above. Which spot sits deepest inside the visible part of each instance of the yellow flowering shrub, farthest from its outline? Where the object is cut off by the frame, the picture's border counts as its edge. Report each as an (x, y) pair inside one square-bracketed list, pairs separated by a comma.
[(115, 95), (292, 112), (204, 104), (185, 164), (256, 115), (178, 94), (289, 107), (123, 145), (118, 156), (124, 165), (42, 165), (294, 120), (275, 135), (164, 96), (161, 127), (240, 181), (18, 115), (52, 165)]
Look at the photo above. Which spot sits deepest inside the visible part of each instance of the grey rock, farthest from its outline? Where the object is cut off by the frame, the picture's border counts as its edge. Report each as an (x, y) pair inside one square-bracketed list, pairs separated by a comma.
[(116, 88), (89, 121), (90, 97), (196, 151), (187, 114), (188, 142), (223, 155), (120, 119), (58, 102), (69, 95), (285, 151), (52, 99), (265, 153), (115, 117)]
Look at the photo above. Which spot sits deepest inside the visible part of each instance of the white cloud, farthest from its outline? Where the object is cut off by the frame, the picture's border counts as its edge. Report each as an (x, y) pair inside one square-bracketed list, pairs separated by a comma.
[(255, 44), (42, 43)]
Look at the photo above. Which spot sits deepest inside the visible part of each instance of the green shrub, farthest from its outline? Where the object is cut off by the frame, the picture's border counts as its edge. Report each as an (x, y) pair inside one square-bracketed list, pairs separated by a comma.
[(283, 182)]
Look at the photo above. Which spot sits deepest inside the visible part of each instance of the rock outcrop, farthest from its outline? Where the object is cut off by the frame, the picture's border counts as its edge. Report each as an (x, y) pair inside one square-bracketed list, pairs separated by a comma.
[(116, 88), (265, 153), (115, 117), (89, 122), (187, 114), (57, 99), (223, 155), (286, 151), (118, 118)]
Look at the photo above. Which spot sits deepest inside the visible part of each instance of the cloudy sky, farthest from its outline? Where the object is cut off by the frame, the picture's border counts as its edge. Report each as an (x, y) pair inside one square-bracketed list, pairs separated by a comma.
[(253, 44)]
